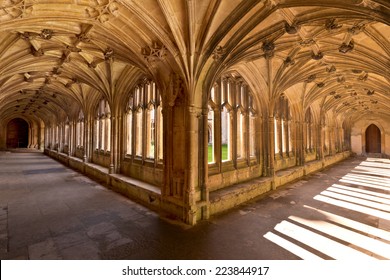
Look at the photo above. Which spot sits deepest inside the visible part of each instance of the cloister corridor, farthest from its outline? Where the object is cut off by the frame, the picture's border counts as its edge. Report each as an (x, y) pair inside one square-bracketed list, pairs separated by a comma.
[(48, 211)]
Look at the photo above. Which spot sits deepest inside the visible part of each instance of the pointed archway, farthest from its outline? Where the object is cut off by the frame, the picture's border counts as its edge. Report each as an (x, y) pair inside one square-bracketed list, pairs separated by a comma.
[(373, 139), (17, 133)]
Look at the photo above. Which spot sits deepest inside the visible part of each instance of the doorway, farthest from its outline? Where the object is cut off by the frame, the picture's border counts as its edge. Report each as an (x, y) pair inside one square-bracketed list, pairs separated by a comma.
[(373, 139), (17, 133)]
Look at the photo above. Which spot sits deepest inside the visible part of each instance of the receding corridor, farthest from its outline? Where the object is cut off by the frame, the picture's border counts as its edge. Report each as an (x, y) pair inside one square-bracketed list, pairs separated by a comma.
[(51, 212)]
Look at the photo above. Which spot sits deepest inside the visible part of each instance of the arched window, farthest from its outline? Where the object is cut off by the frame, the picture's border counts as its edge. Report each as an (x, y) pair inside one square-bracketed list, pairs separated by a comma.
[(103, 127), (144, 123), (231, 122), (57, 137), (66, 135), (309, 130), (282, 129)]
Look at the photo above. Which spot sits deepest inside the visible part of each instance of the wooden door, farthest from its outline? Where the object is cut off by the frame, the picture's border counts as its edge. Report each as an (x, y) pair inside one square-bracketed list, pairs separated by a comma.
[(373, 139), (17, 134)]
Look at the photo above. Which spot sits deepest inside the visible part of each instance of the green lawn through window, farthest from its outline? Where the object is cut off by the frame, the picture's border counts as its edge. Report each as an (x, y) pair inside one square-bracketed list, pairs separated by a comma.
[(224, 152)]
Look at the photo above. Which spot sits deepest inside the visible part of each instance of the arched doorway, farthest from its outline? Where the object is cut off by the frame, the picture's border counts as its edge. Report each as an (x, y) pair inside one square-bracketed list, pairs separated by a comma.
[(17, 133), (373, 139)]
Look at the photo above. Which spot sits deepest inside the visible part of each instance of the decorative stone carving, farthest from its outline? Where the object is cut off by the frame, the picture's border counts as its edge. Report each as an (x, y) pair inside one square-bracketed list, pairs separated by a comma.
[(92, 64), (37, 53), (337, 96), (64, 58), (271, 3), (102, 10), (176, 89), (321, 84), (155, 52), (83, 37), (341, 79), (17, 8), (218, 53), (46, 34), (57, 71), (71, 82), (363, 77), (370, 92), (307, 42), (27, 77), (331, 24), (356, 29), (289, 61), (311, 78), (73, 49), (268, 49), (291, 29), (366, 3), (25, 36), (331, 69), (344, 48), (317, 56), (108, 54)]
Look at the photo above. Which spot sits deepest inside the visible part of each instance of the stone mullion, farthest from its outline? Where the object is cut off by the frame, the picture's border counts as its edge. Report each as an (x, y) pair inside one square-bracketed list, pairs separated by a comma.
[(222, 96), (310, 136), (156, 125), (233, 120), (271, 148), (306, 137), (69, 138), (333, 140), (144, 124), (280, 135), (247, 126), (287, 136), (85, 140), (111, 169), (321, 133), (60, 141), (156, 134), (91, 131), (300, 157), (73, 139)]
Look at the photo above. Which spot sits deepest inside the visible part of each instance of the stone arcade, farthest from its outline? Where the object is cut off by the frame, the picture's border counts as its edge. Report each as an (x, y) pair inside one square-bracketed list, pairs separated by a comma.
[(195, 106)]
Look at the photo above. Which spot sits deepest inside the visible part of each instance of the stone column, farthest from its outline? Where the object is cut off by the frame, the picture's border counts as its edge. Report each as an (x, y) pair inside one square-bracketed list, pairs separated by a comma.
[(113, 149), (271, 149), (203, 160), (301, 143), (85, 139), (192, 163)]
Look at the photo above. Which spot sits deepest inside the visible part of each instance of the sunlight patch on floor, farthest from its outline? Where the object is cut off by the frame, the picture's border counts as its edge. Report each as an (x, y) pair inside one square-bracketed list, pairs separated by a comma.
[(366, 190)]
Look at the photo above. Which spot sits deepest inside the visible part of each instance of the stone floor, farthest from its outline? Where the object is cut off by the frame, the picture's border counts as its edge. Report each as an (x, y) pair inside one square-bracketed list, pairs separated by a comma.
[(48, 211)]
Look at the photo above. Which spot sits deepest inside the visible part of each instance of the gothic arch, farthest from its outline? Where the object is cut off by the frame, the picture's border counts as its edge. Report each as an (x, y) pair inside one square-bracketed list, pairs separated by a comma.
[(17, 133), (373, 139)]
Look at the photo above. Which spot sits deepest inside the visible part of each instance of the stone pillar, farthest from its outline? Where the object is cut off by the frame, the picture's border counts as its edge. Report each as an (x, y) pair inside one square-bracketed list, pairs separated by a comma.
[(74, 135), (204, 166), (192, 163), (287, 136), (113, 149), (300, 143), (271, 150)]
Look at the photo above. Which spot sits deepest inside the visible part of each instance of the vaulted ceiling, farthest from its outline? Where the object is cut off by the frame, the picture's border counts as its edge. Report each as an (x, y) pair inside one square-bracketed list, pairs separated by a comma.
[(59, 56)]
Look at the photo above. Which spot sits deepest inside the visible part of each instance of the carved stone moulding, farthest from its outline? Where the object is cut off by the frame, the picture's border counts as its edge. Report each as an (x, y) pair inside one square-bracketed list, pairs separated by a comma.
[(268, 49)]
